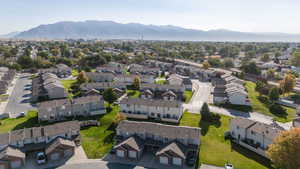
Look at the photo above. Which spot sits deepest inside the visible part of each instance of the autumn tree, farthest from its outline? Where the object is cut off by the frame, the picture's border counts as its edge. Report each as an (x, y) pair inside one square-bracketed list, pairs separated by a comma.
[(206, 65), (285, 150), (136, 83), (82, 78), (288, 83)]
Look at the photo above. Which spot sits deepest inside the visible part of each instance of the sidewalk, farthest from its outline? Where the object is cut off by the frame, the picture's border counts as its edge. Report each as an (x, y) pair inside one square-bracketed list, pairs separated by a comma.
[(8, 92)]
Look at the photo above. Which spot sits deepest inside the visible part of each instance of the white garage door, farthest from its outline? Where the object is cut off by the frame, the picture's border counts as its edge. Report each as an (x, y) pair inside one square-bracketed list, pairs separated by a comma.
[(120, 153), (163, 160), (177, 161), (132, 154), (2, 167), (55, 156), (15, 164)]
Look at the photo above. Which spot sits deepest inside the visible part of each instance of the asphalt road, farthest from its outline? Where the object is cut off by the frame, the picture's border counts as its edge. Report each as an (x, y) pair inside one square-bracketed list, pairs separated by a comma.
[(19, 100)]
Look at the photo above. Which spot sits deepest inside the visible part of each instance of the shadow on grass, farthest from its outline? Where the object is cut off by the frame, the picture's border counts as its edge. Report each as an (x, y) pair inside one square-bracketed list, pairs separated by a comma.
[(31, 122), (204, 125), (251, 155), (277, 110)]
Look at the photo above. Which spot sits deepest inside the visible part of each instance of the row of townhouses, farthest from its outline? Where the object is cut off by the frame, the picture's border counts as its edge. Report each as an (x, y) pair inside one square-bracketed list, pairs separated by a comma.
[(57, 110), (60, 70), (176, 79), (6, 77), (121, 78), (170, 145), (143, 70), (47, 86), (163, 110), (230, 89), (254, 135), (57, 140), (163, 92), (101, 86)]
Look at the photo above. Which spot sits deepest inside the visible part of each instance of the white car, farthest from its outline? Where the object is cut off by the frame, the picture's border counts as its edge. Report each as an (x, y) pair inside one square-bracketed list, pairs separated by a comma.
[(40, 158), (228, 166)]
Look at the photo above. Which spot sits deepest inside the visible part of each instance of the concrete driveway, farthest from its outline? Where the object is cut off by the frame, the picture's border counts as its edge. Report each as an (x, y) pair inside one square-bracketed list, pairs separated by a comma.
[(202, 93), (19, 100)]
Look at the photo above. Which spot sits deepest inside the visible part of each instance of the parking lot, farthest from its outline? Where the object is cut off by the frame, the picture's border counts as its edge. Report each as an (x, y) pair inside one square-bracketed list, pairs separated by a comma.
[(19, 100)]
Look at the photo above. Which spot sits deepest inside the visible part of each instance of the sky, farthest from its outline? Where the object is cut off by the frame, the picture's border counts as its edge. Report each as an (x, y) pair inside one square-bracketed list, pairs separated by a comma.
[(238, 15)]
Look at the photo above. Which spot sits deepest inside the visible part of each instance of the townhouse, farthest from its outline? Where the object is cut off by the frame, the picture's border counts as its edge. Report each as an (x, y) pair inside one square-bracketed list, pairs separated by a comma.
[(165, 92), (57, 140), (162, 110), (57, 110), (100, 76), (168, 145), (229, 89), (125, 78), (254, 135), (47, 86), (6, 77), (176, 79), (143, 70), (110, 69), (60, 70), (101, 86)]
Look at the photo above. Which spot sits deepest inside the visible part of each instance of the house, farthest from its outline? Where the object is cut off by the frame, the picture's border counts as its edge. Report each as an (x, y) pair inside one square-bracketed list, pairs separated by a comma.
[(130, 78), (175, 79), (110, 69), (60, 70), (253, 135), (55, 138), (100, 76), (169, 145), (47, 86), (6, 77), (57, 110), (163, 110), (11, 158), (101, 86), (143, 70), (165, 92)]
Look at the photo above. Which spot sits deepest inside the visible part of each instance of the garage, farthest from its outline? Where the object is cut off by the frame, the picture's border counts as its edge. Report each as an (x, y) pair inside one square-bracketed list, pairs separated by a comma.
[(68, 152), (132, 154), (55, 156), (163, 160), (177, 161), (16, 164), (120, 153)]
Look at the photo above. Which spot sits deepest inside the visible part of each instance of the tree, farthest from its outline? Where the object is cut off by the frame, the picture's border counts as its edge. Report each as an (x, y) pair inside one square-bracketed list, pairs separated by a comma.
[(206, 65), (136, 83), (285, 150), (265, 57), (205, 112), (228, 63), (274, 94), (296, 58), (271, 73), (251, 68), (288, 83), (109, 95), (82, 78), (25, 61)]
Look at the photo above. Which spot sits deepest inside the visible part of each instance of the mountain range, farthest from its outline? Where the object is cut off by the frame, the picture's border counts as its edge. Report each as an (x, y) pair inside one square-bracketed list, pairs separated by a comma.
[(113, 30)]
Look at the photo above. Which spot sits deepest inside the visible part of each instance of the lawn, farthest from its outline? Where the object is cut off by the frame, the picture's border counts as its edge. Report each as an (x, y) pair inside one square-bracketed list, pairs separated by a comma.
[(98, 141), (215, 150), (258, 106), (67, 85), (8, 124), (133, 93), (188, 96), (75, 72), (161, 82)]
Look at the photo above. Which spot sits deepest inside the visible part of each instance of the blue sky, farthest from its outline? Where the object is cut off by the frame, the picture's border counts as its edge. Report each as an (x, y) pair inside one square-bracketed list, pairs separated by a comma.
[(239, 15)]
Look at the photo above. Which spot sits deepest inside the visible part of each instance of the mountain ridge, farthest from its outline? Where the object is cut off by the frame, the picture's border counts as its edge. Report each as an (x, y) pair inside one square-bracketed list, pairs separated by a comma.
[(93, 29)]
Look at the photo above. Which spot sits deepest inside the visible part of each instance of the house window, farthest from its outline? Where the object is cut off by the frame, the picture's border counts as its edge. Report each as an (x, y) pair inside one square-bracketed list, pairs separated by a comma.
[(253, 132), (238, 127)]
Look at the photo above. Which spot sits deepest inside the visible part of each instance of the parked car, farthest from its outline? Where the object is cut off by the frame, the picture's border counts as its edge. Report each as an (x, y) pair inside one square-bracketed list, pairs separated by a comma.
[(228, 166), (41, 158), (22, 114)]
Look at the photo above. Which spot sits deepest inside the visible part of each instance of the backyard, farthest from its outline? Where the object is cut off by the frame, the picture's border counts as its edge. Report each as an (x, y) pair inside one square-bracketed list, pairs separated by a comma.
[(215, 150), (259, 106), (133, 93), (188, 96), (67, 85)]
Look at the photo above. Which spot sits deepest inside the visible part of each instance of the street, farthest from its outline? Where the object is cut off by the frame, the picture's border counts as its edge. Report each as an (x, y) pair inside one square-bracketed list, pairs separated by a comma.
[(19, 100)]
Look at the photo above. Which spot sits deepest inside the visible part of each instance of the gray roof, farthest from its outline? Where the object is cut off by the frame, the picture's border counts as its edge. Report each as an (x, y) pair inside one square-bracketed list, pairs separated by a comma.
[(160, 87), (165, 131), (133, 142), (173, 148), (147, 102), (59, 142), (11, 152)]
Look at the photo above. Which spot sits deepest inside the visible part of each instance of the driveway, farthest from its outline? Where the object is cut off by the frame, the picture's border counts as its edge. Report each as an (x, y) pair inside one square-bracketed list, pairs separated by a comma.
[(19, 100), (202, 93), (94, 164)]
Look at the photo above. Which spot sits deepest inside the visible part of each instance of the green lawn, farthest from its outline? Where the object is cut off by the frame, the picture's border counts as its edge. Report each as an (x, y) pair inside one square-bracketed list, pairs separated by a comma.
[(161, 82), (258, 106), (133, 93), (187, 96), (97, 141), (75, 72), (30, 120), (67, 84), (215, 150)]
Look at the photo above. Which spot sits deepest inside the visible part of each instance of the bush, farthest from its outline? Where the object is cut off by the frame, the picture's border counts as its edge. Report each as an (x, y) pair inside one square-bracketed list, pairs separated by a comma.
[(277, 109)]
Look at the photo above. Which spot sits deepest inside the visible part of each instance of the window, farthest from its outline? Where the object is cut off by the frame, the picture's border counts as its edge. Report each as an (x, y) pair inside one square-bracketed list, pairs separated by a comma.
[(253, 132), (237, 127)]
